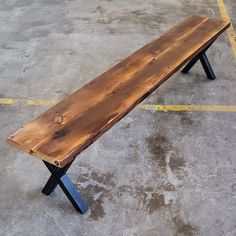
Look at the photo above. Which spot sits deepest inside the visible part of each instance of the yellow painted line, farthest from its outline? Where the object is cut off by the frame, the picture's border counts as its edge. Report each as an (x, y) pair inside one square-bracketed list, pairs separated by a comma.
[(37, 102), (6, 101), (149, 107), (157, 107), (230, 31)]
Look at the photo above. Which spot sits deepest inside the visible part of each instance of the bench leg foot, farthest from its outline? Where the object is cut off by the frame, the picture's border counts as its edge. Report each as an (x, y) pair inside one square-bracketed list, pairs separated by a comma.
[(205, 64), (50, 186), (73, 195), (60, 178)]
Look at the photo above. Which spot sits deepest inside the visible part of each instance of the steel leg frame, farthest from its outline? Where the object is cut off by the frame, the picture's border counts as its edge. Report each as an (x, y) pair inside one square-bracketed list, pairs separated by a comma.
[(205, 64), (59, 177)]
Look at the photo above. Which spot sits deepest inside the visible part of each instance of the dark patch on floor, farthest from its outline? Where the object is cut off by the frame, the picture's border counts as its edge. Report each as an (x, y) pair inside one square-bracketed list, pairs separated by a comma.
[(169, 187), (233, 187), (126, 126), (155, 202), (142, 193), (184, 228), (176, 162), (185, 120), (106, 179), (98, 188), (124, 189), (158, 147), (151, 199), (96, 206), (99, 9), (141, 17)]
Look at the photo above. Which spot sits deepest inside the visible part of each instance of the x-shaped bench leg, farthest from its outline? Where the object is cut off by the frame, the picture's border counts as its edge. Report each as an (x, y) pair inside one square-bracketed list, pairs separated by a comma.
[(205, 64), (58, 176)]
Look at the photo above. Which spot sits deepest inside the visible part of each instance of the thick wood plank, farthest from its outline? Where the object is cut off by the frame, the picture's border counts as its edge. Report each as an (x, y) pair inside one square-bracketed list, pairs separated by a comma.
[(62, 132)]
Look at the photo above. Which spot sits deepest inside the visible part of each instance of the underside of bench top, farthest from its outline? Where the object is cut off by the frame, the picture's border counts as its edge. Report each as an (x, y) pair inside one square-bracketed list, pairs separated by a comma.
[(61, 133)]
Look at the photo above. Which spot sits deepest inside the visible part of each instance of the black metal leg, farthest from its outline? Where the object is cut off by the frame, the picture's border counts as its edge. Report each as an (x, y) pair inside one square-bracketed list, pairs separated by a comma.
[(50, 186), (188, 67), (59, 177), (207, 66), (52, 181), (73, 195), (204, 61)]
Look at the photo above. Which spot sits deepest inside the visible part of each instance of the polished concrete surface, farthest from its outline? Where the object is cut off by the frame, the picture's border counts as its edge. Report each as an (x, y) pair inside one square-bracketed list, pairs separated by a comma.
[(154, 173)]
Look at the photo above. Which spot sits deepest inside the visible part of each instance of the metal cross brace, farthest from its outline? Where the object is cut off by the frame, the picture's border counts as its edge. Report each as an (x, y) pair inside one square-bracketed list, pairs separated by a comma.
[(58, 176), (204, 61)]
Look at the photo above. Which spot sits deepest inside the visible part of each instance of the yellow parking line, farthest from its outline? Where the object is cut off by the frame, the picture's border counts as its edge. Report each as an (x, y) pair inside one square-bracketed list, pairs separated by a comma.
[(157, 107), (230, 31), (37, 102), (149, 107), (6, 101)]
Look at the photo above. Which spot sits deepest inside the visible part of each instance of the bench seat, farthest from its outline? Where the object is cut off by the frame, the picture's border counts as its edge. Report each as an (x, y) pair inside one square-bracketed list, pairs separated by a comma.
[(61, 133)]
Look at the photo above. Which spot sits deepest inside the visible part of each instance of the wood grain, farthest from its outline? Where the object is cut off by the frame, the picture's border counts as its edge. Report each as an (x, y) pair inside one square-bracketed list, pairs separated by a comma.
[(61, 133)]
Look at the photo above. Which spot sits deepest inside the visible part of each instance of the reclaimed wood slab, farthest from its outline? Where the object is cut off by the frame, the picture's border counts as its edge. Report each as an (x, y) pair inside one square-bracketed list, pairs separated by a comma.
[(61, 133)]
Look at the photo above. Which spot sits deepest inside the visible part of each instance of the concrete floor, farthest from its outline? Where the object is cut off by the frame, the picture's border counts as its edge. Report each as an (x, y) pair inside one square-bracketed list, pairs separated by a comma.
[(154, 173)]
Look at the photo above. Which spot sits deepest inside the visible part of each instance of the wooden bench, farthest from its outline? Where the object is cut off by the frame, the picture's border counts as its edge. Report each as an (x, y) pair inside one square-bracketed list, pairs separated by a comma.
[(58, 135)]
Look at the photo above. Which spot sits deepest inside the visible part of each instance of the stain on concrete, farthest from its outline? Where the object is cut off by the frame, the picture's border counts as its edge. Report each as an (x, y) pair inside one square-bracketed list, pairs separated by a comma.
[(155, 202), (169, 187), (149, 198), (164, 155), (141, 17), (112, 31), (183, 228), (158, 147), (141, 193), (99, 9), (233, 187), (176, 162), (186, 121), (96, 206), (96, 187), (126, 126), (124, 189)]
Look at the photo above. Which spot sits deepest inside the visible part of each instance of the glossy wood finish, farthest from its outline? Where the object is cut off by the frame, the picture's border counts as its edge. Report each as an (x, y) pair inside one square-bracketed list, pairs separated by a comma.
[(61, 133)]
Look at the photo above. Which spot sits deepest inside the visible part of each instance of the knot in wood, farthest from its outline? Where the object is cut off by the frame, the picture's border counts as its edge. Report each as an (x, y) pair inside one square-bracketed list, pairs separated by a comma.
[(58, 119)]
